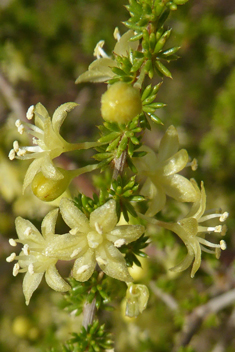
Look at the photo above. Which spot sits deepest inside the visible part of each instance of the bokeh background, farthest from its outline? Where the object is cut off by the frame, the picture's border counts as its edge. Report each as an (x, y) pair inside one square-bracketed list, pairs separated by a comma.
[(44, 46)]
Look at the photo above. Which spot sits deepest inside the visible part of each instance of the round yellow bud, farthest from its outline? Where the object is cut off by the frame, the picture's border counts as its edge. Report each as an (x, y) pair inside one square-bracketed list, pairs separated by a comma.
[(120, 103), (21, 326), (47, 189)]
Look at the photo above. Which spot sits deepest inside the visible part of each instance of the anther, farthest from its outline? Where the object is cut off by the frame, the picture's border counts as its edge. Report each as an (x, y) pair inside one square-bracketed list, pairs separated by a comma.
[(223, 245), (75, 252), (82, 269), (12, 154), (21, 129), (98, 228), (119, 242), (73, 231), (16, 146), (116, 34), (30, 112), (101, 261), (11, 258), (12, 242), (18, 123), (28, 231), (25, 249), (16, 269), (31, 269), (21, 152), (224, 216)]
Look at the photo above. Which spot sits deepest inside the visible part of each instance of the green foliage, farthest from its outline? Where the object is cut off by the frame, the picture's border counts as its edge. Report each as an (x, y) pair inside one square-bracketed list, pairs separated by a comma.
[(96, 287), (134, 249), (92, 339)]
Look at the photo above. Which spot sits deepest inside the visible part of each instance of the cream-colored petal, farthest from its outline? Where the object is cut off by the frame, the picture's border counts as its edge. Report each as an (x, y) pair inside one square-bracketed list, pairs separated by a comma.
[(175, 164), (112, 262), (25, 230), (41, 114), (148, 164), (128, 233), (48, 223), (30, 284), (98, 71), (169, 144), (197, 253), (156, 196), (105, 216), (84, 266), (124, 45), (49, 170), (66, 247), (73, 217), (55, 281), (198, 208), (184, 264), (60, 115), (179, 188), (33, 168)]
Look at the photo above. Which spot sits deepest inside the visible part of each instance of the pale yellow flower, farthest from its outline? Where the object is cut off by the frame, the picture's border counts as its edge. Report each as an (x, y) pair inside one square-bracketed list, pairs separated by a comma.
[(161, 173), (136, 299), (33, 259), (192, 233), (100, 70), (97, 240), (48, 143)]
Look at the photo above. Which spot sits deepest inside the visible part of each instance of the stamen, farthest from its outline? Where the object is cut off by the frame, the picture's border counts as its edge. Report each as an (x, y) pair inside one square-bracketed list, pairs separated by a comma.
[(11, 258), (16, 269), (74, 231), (98, 228), (119, 242), (25, 249), (218, 228), (21, 152), (224, 230), (18, 123), (12, 154), (31, 269), (224, 216), (82, 269), (98, 51), (12, 242), (208, 244), (75, 252), (28, 231), (16, 146), (30, 112), (21, 129), (193, 164), (101, 261), (223, 245), (116, 34)]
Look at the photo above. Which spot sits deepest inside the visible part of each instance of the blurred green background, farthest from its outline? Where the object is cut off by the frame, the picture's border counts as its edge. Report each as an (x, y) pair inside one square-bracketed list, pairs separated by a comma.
[(44, 46)]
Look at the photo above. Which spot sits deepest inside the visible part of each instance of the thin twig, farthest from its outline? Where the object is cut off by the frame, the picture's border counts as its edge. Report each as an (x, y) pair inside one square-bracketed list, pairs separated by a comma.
[(195, 319), (88, 313), (165, 297), (11, 99)]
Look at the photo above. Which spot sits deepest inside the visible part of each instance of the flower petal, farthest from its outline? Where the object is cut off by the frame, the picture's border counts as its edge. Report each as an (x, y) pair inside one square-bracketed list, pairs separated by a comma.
[(49, 170), (66, 247), (26, 230), (73, 217), (41, 114), (33, 168), (105, 216), (169, 144), (179, 188), (98, 71), (30, 284), (175, 164), (55, 281), (128, 233), (124, 45), (184, 264), (84, 266), (198, 208), (156, 195), (48, 223), (111, 261), (60, 115)]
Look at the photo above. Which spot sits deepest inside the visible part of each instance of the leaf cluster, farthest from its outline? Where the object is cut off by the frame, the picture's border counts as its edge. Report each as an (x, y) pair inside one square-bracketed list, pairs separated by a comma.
[(134, 249), (81, 292), (119, 138), (123, 190), (92, 339)]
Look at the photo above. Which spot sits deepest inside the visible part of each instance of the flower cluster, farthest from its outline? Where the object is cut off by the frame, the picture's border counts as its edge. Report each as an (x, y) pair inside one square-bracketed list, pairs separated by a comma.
[(48, 143), (90, 242)]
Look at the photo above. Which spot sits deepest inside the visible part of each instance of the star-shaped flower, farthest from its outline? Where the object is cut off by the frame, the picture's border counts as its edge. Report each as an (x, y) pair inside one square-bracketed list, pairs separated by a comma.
[(100, 70), (192, 233), (161, 173), (97, 240), (33, 259), (48, 143)]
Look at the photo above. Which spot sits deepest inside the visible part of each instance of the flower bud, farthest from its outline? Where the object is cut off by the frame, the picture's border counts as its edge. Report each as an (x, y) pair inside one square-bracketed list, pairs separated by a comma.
[(120, 103), (136, 299), (47, 189)]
